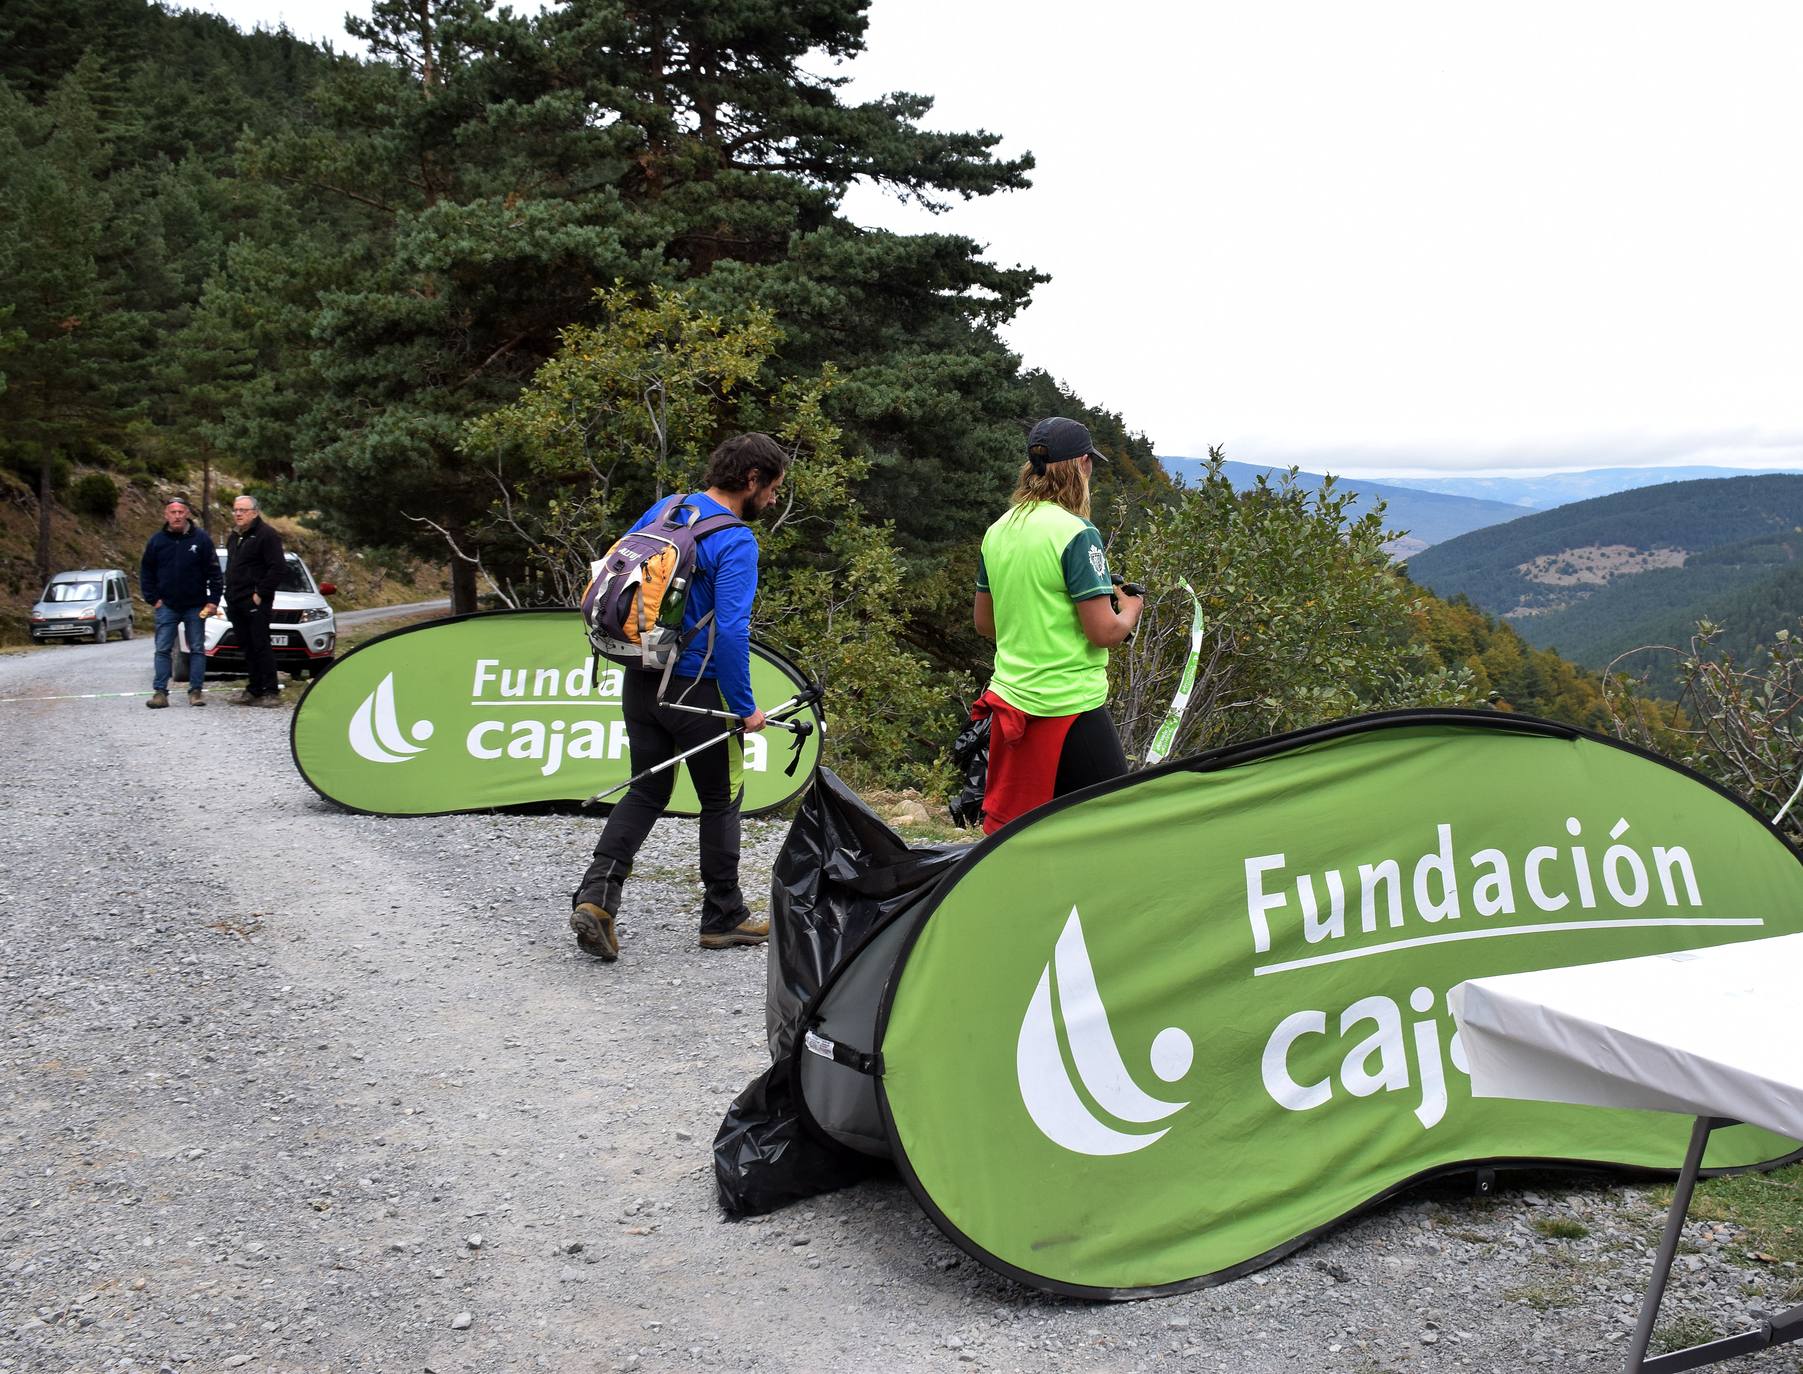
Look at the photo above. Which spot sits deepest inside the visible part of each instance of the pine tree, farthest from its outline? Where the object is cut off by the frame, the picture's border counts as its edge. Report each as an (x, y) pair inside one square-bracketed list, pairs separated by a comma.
[(504, 169), (68, 391)]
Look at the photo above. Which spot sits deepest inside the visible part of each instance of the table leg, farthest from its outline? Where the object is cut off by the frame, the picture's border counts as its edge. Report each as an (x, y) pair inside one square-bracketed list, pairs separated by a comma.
[(1786, 1326), (1668, 1242)]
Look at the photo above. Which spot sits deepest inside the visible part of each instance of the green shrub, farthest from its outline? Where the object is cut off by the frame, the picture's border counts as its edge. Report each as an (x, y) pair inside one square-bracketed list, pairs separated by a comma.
[(1306, 619), (95, 494)]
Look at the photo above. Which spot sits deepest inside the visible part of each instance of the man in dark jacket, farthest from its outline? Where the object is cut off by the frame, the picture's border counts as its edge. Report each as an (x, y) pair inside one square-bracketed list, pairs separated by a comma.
[(179, 577), (255, 565)]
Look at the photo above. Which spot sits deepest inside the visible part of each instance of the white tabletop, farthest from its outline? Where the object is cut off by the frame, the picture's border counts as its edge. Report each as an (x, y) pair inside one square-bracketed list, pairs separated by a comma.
[(1705, 1032)]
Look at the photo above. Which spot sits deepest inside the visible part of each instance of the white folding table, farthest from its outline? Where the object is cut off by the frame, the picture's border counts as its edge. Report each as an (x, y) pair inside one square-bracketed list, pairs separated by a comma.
[(1712, 1033)]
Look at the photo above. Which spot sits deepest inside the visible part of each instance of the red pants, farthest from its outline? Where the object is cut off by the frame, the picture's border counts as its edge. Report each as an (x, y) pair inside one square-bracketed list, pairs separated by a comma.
[(1023, 759)]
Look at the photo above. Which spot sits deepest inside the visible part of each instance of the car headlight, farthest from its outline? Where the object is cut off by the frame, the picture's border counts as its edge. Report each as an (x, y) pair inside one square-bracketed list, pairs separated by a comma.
[(317, 613), (85, 615)]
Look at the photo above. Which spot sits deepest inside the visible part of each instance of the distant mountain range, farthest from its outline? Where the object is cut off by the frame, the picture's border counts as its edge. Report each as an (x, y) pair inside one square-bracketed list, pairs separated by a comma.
[(1428, 517), (1595, 578), (1562, 488)]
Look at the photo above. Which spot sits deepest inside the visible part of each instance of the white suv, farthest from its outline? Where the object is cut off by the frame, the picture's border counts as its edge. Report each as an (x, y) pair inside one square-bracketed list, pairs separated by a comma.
[(302, 631)]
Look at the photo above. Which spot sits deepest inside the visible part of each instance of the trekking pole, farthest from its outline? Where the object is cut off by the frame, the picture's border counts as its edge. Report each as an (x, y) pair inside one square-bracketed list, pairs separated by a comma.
[(774, 719), (811, 693), (697, 710)]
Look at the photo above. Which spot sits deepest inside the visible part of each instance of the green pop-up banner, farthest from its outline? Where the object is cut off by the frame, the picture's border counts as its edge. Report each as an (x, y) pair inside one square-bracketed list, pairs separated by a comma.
[(1160, 1033), (501, 709)]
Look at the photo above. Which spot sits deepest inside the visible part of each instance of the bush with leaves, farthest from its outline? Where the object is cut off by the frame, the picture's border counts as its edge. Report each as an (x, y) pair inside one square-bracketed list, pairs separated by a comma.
[(628, 411), (95, 495), (1740, 723), (624, 412), (1306, 618)]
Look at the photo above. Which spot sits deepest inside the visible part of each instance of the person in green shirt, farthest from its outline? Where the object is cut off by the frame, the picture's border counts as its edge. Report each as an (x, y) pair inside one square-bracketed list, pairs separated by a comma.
[(1044, 595)]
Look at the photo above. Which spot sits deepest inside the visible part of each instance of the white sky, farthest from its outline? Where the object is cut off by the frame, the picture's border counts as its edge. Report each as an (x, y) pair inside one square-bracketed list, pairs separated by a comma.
[(1381, 236)]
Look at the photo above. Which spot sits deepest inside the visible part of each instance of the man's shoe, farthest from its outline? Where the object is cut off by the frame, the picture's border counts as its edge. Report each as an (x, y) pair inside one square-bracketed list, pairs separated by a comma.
[(753, 930), (158, 700), (268, 699), (196, 697), (242, 699), (595, 933)]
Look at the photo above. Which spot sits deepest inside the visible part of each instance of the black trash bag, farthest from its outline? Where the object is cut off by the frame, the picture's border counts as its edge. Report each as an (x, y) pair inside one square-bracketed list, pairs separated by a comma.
[(764, 1158), (842, 876), (970, 751)]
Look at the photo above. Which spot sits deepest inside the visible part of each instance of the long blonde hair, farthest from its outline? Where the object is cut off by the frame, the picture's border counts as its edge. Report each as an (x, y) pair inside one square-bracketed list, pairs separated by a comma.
[(1063, 484)]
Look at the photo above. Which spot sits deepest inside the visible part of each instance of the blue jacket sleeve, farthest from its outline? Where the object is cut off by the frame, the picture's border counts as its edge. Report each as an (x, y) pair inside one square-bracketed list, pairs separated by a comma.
[(147, 573), (735, 588)]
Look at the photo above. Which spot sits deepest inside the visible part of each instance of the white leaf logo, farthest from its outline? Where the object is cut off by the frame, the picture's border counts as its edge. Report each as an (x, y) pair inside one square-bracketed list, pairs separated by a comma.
[(376, 735), (1046, 1090)]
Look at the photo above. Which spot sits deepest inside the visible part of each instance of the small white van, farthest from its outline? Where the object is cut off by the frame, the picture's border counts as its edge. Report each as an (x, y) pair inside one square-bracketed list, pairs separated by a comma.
[(90, 603)]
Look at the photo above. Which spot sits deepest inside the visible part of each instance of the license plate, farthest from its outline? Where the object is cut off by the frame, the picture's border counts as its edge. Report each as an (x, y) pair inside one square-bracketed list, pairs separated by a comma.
[(278, 639)]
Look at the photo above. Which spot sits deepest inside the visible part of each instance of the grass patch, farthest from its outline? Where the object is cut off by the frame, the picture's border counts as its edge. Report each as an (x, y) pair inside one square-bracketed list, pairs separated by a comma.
[(1542, 1296), (1561, 1228), (1680, 1333), (1768, 1207)]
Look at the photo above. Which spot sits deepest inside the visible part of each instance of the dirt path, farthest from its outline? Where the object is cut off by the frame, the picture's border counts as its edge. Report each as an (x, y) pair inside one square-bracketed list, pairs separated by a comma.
[(286, 1088)]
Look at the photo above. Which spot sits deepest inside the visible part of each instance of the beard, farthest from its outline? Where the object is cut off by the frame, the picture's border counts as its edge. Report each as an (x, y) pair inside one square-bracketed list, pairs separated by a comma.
[(763, 507)]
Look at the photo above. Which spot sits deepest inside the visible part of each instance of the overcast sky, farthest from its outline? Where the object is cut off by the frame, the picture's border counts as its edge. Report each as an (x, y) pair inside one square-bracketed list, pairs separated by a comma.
[(1386, 236)]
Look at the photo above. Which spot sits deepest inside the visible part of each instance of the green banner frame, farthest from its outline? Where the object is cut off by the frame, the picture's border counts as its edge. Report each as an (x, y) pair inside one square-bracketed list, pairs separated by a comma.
[(496, 710), (1164, 1031)]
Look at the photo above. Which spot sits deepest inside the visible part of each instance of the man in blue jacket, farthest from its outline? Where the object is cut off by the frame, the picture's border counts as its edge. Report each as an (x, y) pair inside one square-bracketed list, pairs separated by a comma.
[(179, 577), (743, 477)]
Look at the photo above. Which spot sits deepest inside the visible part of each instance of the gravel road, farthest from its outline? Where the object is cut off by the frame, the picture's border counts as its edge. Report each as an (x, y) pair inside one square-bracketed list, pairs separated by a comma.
[(288, 1089)]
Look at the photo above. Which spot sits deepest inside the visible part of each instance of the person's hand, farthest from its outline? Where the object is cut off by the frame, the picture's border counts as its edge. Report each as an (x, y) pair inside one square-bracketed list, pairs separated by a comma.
[(255, 599), (1132, 607), (754, 722), (208, 609), (159, 605)]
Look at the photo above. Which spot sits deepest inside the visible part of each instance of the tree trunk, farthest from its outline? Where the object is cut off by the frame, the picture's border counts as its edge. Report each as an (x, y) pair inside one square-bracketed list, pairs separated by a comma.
[(463, 587), (44, 517)]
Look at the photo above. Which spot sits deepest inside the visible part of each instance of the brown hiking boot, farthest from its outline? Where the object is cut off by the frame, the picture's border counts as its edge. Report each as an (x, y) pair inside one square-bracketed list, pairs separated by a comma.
[(158, 700), (267, 699), (196, 697), (595, 932), (753, 930), (243, 698)]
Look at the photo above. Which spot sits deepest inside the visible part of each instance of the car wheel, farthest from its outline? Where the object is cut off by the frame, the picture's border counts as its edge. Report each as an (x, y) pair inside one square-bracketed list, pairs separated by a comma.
[(178, 665), (318, 670), (126, 633), (100, 633)]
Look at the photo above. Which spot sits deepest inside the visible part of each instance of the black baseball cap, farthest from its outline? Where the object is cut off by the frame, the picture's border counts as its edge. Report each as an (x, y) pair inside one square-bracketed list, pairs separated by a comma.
[(1057, 440)]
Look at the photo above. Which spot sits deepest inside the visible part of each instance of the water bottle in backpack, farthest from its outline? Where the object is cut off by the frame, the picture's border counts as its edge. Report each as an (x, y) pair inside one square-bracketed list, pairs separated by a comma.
[(638, 591)]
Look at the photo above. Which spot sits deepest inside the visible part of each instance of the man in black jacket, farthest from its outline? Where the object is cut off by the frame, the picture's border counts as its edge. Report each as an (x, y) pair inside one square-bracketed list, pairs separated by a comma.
[(255, 565), (179, 577)]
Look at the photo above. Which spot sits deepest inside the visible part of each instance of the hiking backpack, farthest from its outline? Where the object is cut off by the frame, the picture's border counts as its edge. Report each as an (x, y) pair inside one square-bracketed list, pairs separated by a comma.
[(633, 606)]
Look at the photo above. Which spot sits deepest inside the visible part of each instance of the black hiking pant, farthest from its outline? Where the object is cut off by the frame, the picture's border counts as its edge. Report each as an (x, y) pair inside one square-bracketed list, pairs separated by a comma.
[(656, 734), (251, 625), (1092, 753)]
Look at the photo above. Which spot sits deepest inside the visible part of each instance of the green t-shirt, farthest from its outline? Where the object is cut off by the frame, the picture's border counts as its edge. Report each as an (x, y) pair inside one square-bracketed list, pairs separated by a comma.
[(1038, 561)]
